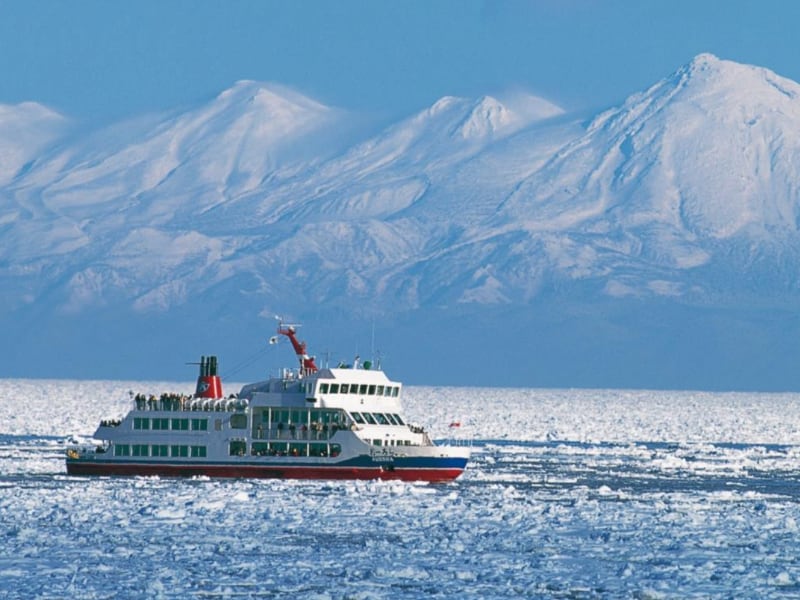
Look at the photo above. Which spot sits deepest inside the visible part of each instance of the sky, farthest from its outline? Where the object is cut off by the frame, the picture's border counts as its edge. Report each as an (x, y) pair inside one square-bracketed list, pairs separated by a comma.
[(99, 61)]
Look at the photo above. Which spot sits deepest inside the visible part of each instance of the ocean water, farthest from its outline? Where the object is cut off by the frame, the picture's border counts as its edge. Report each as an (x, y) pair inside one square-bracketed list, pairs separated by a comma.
[(570, 494)]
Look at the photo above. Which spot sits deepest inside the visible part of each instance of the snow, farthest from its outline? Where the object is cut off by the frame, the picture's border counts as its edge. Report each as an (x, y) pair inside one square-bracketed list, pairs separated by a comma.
[(259, 199), (571, 493)]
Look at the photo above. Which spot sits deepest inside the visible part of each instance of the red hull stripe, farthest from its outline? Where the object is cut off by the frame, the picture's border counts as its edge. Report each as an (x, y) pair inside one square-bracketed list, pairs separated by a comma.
[(261, 472)]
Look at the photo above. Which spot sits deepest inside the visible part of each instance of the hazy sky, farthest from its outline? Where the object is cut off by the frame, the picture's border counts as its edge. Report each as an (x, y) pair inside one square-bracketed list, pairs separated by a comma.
[(101, 60)]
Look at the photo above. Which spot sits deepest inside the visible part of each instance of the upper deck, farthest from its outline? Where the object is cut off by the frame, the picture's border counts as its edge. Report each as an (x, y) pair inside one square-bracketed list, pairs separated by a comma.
[(350, 389)]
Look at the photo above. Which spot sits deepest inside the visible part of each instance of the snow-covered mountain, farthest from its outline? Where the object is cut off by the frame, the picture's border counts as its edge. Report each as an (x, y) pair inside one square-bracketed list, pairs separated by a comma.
[(504, 217)]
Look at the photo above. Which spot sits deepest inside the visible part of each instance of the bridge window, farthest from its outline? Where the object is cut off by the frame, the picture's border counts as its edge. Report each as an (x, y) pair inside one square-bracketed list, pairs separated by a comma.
[(334, 388), (382, 420), (323, 388), (345, 389), (391, 419), (357, 418), (368, 418), (398, 419), (371, 390)]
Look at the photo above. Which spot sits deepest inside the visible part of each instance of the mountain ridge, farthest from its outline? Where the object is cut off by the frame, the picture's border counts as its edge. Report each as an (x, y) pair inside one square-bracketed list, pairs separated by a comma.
[(682, 198)]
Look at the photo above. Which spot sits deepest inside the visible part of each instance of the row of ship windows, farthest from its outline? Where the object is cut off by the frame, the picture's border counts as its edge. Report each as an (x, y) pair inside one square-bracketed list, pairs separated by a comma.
[(159, 450), (376, 418), (174, 424), (362, 389), (239, 448)]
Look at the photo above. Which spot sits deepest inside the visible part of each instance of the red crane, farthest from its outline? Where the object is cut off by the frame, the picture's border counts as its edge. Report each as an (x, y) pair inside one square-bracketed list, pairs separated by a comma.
[(307, 364)]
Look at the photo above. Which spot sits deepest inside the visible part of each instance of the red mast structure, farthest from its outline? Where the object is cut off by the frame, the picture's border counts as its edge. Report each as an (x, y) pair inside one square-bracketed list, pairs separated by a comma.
[(307, 365)]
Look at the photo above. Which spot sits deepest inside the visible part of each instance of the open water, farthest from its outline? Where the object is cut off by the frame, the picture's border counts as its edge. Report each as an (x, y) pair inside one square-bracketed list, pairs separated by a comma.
[(571, 494)]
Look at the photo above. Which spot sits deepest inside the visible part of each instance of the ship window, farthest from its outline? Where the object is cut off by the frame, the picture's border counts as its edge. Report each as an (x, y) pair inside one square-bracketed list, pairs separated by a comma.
[(372, 390), (277, 449), (382, 420), (357, 418), (238, 421), (141, 423), (160, 450), (299, 417), (179, 451), (362, 389), (377, 442), (369, 419), (334, 388), (395, 391), (317, 449), (122, 450), (140, 450), (238, 448), (345, 389), (198, 451), (353, 388), (398, 419), (379, 391), (391, 419), (200, 424), (336, 449), (298, 449), (161, 424), (323, 388), (180, 424)]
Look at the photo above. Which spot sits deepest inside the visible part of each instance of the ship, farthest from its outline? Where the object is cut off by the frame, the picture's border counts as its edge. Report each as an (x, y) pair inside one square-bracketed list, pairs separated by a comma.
[(306, 422)]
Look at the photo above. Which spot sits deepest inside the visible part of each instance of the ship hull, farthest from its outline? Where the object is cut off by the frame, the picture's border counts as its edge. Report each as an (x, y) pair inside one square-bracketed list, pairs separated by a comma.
[(449, 470)]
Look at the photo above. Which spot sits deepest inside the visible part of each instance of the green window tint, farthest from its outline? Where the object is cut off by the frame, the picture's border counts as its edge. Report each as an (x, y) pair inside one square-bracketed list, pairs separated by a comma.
[(362, 389), (161, 424), (122, 450), (238, 421), (368, 418), (334, 388), (159, 450), (140, 450), (200, 424), (179, 451), (237, 448), (323, 388), (180, 424), (198, 451), (371, 391)]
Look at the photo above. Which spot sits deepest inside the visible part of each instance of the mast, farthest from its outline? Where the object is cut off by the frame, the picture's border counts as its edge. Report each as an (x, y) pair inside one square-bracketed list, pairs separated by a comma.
[(307, 365)]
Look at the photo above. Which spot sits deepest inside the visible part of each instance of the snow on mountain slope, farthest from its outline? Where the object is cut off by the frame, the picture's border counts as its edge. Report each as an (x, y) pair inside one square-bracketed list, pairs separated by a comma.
[(25, 130), (704, 157), (685, 193)]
